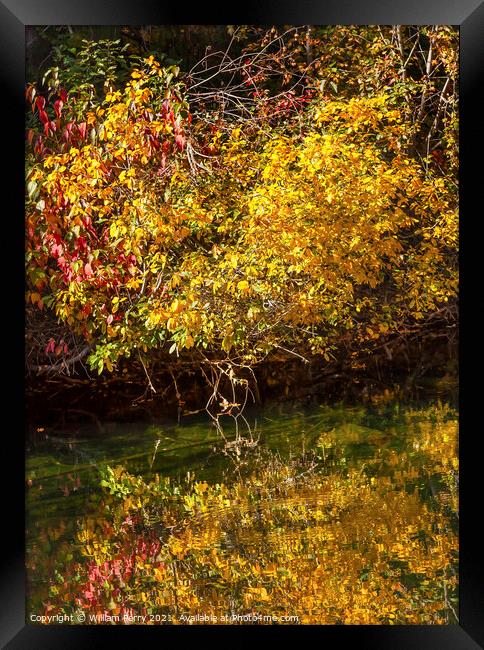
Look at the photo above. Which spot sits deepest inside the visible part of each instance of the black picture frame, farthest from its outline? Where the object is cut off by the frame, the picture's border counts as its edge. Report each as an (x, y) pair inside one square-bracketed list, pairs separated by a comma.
[(14, 16)]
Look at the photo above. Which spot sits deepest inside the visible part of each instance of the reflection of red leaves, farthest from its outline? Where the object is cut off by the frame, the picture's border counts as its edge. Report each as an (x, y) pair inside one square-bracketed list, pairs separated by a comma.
[(89, 593), (154, 142)]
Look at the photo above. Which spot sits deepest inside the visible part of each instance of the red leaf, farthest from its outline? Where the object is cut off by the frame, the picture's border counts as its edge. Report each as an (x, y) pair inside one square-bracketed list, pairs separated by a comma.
[(110, 319), (44, 118), (58, 107), (56, 250), (63, 95), (49, 348), (180, 141), (88, 270), (82, 127), (40, 102)]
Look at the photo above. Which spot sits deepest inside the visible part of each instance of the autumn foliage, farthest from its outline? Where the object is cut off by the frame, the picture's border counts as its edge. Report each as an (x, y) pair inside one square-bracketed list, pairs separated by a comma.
[(327, 218), (346, 545)]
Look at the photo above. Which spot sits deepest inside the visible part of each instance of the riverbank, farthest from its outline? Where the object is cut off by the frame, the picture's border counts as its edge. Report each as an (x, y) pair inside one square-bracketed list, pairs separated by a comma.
[(178, 388)]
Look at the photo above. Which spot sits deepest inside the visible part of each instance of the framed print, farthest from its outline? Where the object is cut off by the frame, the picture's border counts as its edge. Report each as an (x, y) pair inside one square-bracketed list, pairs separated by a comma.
[(239, 315)]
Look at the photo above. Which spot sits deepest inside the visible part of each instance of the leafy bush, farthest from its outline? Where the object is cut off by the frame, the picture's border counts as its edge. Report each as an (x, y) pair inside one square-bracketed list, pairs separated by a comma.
[(153, 226)]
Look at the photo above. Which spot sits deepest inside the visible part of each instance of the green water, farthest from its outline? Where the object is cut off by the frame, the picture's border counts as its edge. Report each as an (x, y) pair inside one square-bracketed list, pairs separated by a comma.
[(414, 446)]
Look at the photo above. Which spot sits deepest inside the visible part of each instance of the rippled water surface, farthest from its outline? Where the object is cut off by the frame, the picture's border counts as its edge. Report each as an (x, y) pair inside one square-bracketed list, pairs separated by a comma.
[(339, 515)]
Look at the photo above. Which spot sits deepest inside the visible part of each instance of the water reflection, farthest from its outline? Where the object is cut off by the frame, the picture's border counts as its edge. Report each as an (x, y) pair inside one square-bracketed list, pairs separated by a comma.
[(342, 516)]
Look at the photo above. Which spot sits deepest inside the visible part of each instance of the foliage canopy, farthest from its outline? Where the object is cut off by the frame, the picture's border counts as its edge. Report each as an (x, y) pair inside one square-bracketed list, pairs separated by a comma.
[(304, 220)]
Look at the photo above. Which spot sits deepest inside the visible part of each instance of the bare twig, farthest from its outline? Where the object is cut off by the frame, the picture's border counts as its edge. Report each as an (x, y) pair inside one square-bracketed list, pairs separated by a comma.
[(152, 388)]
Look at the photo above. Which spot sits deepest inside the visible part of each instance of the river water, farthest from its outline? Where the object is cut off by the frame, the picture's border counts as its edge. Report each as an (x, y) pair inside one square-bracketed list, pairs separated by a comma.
[(368, 517)]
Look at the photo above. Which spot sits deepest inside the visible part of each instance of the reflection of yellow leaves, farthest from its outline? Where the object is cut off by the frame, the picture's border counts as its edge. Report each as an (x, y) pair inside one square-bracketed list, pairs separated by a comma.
[(255, 595), (160, 574), (177, 548), (243, 285), (337, 547)]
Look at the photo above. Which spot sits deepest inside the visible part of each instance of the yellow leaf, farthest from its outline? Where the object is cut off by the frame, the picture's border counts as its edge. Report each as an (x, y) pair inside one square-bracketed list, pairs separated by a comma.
[(189, 341), (177, 306), (227, 342)]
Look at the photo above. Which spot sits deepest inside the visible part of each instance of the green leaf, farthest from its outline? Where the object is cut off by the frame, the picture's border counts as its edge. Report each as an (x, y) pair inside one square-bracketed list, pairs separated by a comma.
[(31, 187)]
